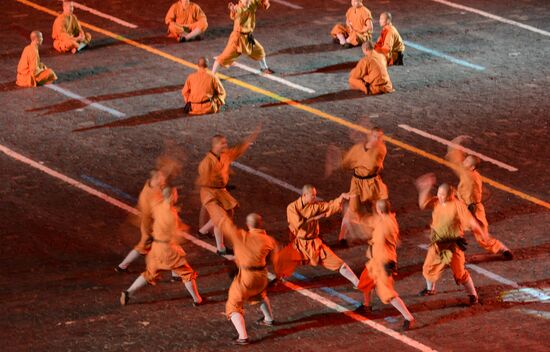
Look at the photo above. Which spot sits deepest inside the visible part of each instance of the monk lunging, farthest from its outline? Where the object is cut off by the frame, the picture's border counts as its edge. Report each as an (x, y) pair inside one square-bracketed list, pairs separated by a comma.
[(185, 20), (30, 71), (306, 247), (382, 262), (252, 249), (166, 252), (470, 191), (449, 219), (203, 93), (241, 41), (67, 32), (390, 43), (370, 75), (358, 27)]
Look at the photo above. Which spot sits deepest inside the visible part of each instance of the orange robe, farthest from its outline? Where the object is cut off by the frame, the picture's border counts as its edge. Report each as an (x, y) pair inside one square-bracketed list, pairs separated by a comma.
[(306, 247), (182, 20), (148, 199), (244, 22), (390, 44), (30, 71), (382, 250), (366, 182), (470, 190), (370, 75), (65, 30), (166, 253), (357, 32), (204, 91), (448, 223)]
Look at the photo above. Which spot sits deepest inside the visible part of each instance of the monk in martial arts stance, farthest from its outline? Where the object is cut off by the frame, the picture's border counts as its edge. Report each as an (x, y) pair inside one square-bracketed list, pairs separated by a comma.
[(358, 27), (306, 247), (31, 72), (449, 219), (390, 43), (213, 179), (67, 32), (241, 41), (367, 162), (382, 262), (470, 191), (252, 248), (185, 20), (370, 75), (166, 252), (203, 92)]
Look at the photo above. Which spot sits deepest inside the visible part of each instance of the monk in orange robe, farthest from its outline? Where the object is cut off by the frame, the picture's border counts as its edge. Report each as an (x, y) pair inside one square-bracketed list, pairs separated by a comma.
[(370, 75), (449, 219), (252, 248), (203, 92), (367, 162), (186, 21), (470, 191), (390, 43), (358, 27), (166, 252), (382, 262), (67, 33), (30, 71), (306, 247), (241, 41), (213, 179)]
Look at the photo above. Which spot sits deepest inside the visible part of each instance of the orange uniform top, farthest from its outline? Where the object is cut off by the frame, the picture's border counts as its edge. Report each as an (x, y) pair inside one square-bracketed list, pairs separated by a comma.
[(202, 86), (298, 214), (389, 42), (372, 69), (148, 199), (214, 171), (29, 66), (363, 161), (66, 26), (470, 186), (184, 15), (358, 18), (449, 219), (385, 237), (244, 18)]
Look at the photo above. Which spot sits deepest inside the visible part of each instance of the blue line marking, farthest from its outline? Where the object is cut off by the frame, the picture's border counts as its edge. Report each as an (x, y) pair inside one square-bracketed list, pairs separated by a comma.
[(331, 292), (108, 187), (444, 56)]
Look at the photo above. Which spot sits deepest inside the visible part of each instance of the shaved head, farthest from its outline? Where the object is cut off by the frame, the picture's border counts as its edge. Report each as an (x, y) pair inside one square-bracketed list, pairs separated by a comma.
[(219, 144), (254, 221), (368, 46), (306, 189), (203, 62), (444, 192), (309, 194), (68, 7), (36, 37)]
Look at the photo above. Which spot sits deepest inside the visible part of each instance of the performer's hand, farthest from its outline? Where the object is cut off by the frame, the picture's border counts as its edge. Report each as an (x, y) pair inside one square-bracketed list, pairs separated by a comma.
[(345, 196), (460, 139), (425, 182), (231, 6)]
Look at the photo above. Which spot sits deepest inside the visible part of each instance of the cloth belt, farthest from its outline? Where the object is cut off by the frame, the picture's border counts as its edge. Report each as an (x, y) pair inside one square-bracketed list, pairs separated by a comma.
[(160, 241), (368, 177), (253, 268)]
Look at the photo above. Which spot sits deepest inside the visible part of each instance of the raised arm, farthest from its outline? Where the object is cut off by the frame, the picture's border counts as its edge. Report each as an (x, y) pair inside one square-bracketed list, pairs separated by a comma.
[(238, 150), (424, 186)]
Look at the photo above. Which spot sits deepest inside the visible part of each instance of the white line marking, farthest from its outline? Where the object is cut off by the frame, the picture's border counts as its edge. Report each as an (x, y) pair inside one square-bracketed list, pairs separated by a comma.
[(85, 101), (289, 4), (493, 17), (303, 291), (267, 177), (104, 15), (458, 146), (536, 313), (274, 78)]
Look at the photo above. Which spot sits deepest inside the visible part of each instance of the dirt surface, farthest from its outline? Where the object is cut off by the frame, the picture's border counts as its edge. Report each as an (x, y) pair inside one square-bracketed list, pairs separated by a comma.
[(58, 288)]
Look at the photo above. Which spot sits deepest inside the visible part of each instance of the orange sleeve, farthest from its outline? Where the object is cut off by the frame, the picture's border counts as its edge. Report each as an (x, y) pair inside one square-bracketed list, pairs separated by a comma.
[(186, 91), (170, 15)]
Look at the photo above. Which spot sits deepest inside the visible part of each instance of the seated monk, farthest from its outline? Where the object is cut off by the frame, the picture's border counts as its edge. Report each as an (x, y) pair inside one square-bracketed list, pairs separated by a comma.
[(390, 43), (358, 28), (185, 20), (370, 75), (67, 33), (30, 71), (203, 92)]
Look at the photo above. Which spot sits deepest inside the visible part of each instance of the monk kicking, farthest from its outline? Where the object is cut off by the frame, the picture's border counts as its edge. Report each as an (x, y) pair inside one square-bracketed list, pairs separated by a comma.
[(390, 43), (358, 27), (203, 93), (67, 32), (185, 20), (31, 72), (370, 75)]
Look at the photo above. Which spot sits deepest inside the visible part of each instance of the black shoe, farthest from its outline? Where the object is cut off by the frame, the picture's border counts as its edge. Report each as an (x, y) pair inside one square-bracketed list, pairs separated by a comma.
[(507, 255), (267, 71), (408, 324), (336, 40), (363, 309), (182, 39), (201, 303), (426, 292), (347, 46), (241, 342), (175, 279), (343, 243), (120, 270), (202, 235), (124, 298), (263, 322), (473, 299)]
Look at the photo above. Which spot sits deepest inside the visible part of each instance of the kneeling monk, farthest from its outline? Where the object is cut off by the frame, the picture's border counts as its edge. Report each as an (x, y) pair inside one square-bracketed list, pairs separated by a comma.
[(203, 92), (30, 71), (370, 75)]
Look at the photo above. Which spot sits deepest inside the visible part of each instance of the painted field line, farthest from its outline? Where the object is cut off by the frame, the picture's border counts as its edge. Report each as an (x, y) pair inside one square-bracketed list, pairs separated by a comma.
[(88, 102), (288, 4), (104, 15), (493, 17), (338, 120), (444, 56), (108, 187), (301, 290), (267, 177), (458, 146), (536, 313)]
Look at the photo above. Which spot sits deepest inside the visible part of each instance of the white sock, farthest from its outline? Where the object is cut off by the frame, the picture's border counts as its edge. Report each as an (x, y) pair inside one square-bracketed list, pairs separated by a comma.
[(207, 227), (219, 239), (238, 322), (341, 38), (265, 307), (430, 285), (344, 228), (174, 274), (191, 286), (402, 308), (139, 283), (263, 64), (194, 33), (349, 274), (470, 288), (81, 46), (215, 67), (133, 255)]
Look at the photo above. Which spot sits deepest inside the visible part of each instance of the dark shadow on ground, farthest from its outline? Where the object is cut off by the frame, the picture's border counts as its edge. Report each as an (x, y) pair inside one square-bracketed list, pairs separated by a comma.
[(9, 86), (344, 66), (337, 96)]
